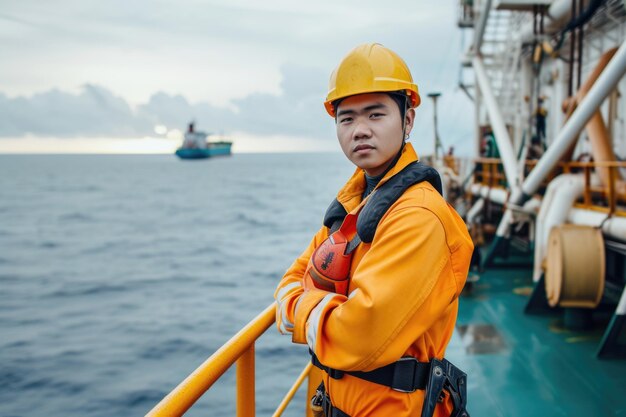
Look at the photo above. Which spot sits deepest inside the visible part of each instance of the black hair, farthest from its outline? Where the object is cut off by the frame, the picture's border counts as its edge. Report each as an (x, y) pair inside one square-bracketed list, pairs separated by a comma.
[(401, 100), (400, 97)]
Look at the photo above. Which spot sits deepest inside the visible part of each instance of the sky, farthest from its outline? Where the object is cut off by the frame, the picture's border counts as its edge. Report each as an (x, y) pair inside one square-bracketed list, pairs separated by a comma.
[(120, 76)]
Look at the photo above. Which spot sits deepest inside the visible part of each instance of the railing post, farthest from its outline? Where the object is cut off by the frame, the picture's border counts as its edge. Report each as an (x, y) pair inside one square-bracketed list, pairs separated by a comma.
[(292, 391), (612, 197), (245, 384), (587, 186)]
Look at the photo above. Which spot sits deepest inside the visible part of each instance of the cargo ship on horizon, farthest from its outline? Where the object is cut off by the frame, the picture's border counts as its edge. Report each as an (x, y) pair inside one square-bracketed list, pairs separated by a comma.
[(196, 146)]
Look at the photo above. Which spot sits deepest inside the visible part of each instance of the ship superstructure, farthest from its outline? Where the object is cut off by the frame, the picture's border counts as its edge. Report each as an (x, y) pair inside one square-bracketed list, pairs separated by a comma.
[(547, 82)]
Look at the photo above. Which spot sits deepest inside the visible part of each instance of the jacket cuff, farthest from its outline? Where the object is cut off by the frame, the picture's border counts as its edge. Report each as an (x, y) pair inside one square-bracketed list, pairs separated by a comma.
[(307, 302)]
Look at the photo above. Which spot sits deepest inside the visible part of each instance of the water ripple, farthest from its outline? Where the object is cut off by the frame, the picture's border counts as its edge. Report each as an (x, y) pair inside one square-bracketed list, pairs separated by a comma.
[(172, 346), (77, 290), (120, 274)]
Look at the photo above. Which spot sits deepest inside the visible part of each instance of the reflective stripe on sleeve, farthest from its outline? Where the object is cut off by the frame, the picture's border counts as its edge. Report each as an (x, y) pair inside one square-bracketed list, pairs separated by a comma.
[(283, 330), (314, 320), (284, 290), (285, 326), (285, 320)]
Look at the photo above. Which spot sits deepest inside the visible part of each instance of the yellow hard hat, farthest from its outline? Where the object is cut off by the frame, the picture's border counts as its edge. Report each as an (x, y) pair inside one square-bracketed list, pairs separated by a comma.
[(370, 68)]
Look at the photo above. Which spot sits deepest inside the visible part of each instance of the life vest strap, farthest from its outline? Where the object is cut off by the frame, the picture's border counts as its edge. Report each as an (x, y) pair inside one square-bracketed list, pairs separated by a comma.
[(382, 199), (352, 245), (405, 375)]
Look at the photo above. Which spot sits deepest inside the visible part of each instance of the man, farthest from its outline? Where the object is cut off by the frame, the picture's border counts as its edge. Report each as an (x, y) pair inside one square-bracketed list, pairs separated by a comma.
[(540, 118), (377, 301)]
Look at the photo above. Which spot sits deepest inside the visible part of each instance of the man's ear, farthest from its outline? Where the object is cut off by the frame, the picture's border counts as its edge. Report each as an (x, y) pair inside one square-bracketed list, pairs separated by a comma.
[(409, 119)]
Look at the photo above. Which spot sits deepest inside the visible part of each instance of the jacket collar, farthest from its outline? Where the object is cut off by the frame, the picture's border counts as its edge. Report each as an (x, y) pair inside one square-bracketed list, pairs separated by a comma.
[(350, 194)]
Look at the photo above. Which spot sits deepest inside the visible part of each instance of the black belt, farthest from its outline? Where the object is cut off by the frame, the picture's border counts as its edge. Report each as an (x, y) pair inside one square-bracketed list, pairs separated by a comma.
[(405, 375)]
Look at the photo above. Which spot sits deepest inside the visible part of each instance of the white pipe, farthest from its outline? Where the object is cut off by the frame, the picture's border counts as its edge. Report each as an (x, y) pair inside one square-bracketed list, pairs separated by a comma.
[(497, 122), (614, 227), (533, 205), (559, 198), (477, 106), (560, 94), (447, 175), (559, 14), (621, 307), (497, 195), (479, 32), (505, 223), (517, 132), (605, 83), (473, 212), (521, 163)]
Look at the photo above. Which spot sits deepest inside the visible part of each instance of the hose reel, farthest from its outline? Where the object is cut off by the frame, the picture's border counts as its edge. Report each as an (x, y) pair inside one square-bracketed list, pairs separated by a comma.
[(575, 268)]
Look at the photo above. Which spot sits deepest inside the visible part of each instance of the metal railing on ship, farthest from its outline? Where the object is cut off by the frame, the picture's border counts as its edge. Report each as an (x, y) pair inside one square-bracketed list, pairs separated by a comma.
[(239, 349), (602, 198), (607, 193)]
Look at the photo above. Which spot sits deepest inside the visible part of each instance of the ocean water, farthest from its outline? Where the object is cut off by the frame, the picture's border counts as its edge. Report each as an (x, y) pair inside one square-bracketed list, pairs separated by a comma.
[(120, 274)]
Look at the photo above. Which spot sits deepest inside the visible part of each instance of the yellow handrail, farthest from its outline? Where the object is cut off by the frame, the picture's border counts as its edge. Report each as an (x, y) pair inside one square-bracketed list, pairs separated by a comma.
[(289, 396), (245, 384), (239, 348)]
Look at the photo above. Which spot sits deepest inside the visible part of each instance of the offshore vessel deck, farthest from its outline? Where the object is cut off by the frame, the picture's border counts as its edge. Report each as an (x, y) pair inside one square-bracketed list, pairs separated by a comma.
[(530, 365), (541, 329)]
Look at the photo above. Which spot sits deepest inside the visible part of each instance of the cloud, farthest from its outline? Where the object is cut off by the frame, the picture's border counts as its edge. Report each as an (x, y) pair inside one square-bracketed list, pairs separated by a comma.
[(296, 111), (96, 111), (251, 67), (206, 50), (235, 80)]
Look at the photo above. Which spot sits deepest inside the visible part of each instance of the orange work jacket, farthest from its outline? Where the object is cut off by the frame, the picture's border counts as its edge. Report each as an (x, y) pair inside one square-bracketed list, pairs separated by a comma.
[(403, 297)]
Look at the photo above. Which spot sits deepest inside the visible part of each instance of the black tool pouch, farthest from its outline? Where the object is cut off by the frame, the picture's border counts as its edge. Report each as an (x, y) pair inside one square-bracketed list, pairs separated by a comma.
[(445, 376)]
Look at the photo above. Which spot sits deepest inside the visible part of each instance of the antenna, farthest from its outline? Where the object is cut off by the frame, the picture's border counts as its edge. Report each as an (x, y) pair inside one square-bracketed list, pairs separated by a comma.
[(438, 145)]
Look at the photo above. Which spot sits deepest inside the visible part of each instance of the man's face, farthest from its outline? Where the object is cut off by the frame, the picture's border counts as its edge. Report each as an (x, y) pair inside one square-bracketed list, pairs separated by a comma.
[(369, 129)]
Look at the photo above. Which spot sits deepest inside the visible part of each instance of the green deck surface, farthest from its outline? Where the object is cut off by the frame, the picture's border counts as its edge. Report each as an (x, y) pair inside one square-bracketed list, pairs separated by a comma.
[(541, 369)]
